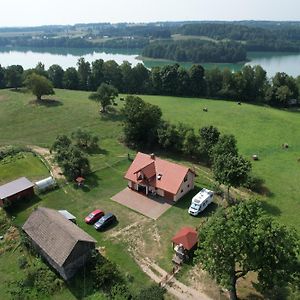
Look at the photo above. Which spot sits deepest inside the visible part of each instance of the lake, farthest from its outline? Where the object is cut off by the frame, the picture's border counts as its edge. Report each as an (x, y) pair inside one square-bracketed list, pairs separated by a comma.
[(272, 62)]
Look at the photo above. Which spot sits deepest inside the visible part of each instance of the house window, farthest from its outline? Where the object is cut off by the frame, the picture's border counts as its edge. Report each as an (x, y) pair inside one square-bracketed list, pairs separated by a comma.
[(185, 178), (188, 185), (181, 191)]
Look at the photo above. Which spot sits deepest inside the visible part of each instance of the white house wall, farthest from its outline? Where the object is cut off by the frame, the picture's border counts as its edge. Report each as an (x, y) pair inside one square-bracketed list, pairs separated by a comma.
[(186, 186)]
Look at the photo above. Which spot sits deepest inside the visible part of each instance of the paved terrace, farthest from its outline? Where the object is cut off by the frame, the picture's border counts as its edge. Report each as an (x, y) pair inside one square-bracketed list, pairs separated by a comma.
[(150, 207)]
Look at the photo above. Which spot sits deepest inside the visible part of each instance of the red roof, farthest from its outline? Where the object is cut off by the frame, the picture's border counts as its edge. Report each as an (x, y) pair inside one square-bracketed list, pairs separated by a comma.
[(79, 179), (171, 175), (187, 236)]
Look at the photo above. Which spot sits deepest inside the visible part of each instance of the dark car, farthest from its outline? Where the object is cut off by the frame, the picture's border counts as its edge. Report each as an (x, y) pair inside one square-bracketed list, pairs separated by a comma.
[(94, 216), (105, 221)]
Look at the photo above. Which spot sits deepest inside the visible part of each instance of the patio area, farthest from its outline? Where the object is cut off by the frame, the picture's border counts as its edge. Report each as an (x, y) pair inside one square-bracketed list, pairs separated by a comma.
[(152, 207)]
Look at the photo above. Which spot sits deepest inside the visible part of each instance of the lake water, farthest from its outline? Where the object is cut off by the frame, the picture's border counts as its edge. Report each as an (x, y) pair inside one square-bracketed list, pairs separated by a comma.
[(272, 62)]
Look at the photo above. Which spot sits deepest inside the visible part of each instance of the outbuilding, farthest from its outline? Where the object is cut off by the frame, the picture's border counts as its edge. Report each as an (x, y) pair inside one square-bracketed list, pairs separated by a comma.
[(15, 190), (184, 242), (60, 242), (45, 184)]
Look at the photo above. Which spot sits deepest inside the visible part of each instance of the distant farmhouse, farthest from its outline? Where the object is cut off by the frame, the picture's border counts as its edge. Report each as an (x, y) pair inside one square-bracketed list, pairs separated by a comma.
[(63, 244), (15, 190), (149, 174)]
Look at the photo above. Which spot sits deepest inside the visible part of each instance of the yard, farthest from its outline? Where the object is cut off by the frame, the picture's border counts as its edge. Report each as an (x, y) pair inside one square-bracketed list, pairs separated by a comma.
[(258, 130)]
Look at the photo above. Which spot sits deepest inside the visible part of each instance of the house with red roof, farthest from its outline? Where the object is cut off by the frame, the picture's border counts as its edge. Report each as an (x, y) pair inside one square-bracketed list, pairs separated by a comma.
[(150, 174)]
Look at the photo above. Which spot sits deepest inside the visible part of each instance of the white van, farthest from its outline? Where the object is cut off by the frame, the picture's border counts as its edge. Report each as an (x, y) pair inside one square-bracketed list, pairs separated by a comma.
[(200, 201)]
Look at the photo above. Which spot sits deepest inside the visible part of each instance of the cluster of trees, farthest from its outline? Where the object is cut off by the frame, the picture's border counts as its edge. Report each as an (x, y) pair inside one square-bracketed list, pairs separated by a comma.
[(70, 153), (196, 51), (250, 84), (256, 38), (243, 239), (145, 128)]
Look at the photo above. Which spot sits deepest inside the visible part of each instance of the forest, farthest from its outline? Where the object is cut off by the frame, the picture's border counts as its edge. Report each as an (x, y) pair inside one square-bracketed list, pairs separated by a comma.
[(196, 51)]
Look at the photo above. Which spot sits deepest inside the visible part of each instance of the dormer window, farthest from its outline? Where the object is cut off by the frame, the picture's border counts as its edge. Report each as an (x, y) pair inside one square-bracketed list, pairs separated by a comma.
[(185, 178)]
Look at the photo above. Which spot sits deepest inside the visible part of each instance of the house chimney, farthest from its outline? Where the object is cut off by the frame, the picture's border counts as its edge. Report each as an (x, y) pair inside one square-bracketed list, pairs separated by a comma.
[(152, 156)]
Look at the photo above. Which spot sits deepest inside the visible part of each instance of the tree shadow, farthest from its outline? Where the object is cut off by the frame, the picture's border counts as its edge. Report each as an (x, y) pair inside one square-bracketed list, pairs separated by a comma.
[(47, 102), (112, 115), (81, 285), (19, 90), (97, 150), (22, 205), (270, 208)]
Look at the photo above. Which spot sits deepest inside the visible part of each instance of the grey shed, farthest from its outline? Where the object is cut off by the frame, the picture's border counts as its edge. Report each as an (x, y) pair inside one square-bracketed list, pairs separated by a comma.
[(63, 244)]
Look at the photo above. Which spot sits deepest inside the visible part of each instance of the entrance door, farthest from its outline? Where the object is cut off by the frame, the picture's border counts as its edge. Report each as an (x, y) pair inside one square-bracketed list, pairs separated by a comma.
[(143, 189)]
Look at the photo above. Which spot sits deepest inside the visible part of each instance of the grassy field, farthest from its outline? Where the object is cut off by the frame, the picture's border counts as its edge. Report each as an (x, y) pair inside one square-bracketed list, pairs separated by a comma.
[(23, 164), (259, 130)]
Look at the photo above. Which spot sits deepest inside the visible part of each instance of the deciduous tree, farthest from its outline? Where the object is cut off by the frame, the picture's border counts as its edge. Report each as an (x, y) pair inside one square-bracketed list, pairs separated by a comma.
[(39, 85), (241, 239)]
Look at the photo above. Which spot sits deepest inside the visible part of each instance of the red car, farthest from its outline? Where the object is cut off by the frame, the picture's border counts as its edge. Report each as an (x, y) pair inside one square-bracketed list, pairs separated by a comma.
[(94, 216)]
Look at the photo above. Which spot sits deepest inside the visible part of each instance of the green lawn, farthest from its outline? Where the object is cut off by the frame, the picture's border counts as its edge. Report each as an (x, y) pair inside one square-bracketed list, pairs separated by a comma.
[(24, 164), (259, 130)]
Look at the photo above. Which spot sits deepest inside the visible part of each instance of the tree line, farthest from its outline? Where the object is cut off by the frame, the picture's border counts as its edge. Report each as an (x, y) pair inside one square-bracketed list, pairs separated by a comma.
[(196, 51), (250, 84), (274, 38)]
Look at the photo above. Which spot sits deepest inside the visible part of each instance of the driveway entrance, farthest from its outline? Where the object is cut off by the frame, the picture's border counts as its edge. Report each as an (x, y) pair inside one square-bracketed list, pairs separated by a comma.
[(149, 207)]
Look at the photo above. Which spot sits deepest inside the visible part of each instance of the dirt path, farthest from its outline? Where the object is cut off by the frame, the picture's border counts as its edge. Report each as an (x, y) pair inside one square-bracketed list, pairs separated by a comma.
[(133, 235), (55, 171)]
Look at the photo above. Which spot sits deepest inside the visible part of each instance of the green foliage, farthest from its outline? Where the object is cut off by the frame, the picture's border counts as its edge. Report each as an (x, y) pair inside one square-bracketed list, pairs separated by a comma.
[(105, 95), (39, 282), (243, 239), (105, 274), (72, 160), (141, 123), (39, 85), (120, 292), (153, 292), (226, 145), (14, 76), (84, 139), (231, 170), (56, 75), (4, 221)]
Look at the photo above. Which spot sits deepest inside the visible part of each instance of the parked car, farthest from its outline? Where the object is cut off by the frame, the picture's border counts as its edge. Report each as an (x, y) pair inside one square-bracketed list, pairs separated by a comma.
[(94, 216), (105, 221), (200, 201)]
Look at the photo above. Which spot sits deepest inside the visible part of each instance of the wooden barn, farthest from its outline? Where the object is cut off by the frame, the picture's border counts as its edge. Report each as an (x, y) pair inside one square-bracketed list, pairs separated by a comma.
[(60, 242), (15, 190)]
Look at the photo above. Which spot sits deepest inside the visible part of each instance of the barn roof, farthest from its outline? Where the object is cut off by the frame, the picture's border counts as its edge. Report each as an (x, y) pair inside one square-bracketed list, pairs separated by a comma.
[(187, 236), (54, 234), (15, 187), (159, 173)]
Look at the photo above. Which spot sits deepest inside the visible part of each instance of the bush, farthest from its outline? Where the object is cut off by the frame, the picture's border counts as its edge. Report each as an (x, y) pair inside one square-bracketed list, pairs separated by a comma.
[(254, 183), (153, 292), (22, 262)]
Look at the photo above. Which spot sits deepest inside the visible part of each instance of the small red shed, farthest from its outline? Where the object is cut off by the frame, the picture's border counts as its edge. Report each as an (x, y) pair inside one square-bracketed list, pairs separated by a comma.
[(15, 190), (184, 242)]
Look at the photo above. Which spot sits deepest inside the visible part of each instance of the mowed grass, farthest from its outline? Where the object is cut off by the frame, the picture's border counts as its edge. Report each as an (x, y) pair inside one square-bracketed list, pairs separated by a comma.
[(258, 130), (24, 164)]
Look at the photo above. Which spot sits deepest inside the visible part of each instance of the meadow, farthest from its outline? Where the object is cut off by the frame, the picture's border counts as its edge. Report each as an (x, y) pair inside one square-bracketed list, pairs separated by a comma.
[(258, 130)]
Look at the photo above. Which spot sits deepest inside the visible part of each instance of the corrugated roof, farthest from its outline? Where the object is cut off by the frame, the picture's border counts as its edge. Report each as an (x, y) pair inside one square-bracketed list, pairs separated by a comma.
[(172, 175), (187, 236), (15, 187), (56, 235)]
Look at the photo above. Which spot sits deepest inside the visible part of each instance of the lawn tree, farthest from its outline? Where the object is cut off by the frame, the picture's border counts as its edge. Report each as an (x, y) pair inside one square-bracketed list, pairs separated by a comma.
[(2, 77), (84, 139), (231, 170), (56, 75), (141, 122), (70, 157), (39, 85), (226, 144), (241, 239), (105, 95), (71, 79), (14, 76), (209, 136)]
